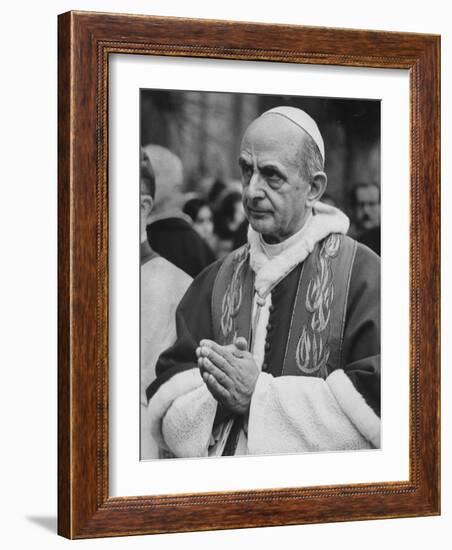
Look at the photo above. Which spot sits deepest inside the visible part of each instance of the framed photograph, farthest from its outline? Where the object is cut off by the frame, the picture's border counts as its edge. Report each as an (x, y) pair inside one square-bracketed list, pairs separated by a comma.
[(248, 275)]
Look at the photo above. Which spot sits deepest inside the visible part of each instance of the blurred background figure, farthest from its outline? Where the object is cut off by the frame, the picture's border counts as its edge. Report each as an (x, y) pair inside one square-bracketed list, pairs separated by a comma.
[(170, 232), (230, 223), (201, 215), (162, 285), (365, 203), (216, 193), (232, 212)]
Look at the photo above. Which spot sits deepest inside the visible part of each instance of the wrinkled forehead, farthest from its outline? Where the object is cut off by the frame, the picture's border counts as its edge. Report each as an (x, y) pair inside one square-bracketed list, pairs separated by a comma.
[(272, 135)]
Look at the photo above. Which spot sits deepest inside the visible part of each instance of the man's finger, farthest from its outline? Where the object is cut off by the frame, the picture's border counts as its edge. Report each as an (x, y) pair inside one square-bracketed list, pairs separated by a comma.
[(241, 343), (200, 364), (217, 359), (216, 389), (224, 351), (205, 375), (217, 373)]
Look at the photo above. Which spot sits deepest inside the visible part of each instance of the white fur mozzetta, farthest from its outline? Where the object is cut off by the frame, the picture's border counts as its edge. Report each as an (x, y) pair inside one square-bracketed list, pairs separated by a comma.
[(354, 406), (181, 415), (292, 414), (269, 271)]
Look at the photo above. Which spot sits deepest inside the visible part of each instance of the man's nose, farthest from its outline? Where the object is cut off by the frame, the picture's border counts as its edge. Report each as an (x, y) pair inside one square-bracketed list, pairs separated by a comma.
[(362, 208), (255, 189)]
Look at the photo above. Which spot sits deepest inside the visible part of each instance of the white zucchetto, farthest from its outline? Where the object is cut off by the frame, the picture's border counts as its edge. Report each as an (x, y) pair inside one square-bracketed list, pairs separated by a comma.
[(303, 121)]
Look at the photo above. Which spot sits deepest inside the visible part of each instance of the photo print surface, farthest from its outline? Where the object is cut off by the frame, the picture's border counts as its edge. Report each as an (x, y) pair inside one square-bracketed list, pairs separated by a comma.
[(260, 274)]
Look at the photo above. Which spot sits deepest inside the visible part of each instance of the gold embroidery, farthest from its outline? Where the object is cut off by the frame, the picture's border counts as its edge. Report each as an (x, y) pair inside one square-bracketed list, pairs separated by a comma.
[(232, 299), (313, 351)]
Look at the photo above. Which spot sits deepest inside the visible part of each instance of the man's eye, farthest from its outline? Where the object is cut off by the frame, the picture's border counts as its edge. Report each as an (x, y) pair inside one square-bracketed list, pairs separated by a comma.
[(247, 171), (271, 175)]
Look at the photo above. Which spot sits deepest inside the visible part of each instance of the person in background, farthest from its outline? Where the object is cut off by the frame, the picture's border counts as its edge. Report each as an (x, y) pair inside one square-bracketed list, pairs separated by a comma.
[(232, 211), (162, 286), (201, 215), (230, 224), (215, 194), (365, 202), (170, 231)]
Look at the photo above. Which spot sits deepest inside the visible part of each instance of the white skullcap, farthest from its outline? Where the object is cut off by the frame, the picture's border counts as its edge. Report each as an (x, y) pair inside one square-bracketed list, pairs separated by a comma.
[(303, 121)]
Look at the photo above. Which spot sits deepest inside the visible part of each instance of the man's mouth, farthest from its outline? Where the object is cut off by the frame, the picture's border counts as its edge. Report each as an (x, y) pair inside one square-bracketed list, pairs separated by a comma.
[(257, 211)]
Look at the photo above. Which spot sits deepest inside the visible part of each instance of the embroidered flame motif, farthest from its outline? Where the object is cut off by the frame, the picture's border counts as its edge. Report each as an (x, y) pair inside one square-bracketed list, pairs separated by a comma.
[(312, 351), (232, 299)]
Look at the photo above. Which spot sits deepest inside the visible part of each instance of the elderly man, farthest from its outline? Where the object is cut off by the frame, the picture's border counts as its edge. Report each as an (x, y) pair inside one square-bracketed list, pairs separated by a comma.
[(162, 287), (278, 344)]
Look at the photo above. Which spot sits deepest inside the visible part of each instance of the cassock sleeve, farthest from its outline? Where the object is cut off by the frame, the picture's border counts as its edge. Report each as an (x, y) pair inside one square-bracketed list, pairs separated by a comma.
[(361, 343), (181, 410), (301, 413)]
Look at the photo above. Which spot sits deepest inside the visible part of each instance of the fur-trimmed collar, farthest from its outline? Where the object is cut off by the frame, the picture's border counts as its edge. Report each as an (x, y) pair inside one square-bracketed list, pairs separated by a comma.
[(269, 271)]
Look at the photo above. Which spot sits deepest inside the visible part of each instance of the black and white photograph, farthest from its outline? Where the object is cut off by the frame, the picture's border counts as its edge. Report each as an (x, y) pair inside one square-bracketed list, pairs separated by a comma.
[(225, 227), (260, 274)]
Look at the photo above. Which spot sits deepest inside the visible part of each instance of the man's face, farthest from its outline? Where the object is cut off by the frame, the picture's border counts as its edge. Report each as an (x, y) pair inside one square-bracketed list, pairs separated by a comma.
[(203, 223), (274, 191), (367, 207)]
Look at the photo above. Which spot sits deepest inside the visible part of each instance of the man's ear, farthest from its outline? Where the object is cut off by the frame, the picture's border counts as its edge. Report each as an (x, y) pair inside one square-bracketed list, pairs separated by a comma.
[(317, 188), (146, 203)]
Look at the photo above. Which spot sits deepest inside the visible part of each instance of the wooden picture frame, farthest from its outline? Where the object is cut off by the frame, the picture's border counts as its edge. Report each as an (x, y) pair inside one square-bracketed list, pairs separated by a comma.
[(85, 42)]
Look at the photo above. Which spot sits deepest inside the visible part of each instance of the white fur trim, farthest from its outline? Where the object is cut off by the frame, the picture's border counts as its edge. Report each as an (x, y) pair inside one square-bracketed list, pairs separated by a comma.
[(187, 425), (354, 406), (181, 384), (292, 414), (327, 220)]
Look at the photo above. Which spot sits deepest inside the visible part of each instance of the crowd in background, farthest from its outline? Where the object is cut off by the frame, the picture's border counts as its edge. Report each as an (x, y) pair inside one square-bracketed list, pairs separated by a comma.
[(189, 229), (219, 218)]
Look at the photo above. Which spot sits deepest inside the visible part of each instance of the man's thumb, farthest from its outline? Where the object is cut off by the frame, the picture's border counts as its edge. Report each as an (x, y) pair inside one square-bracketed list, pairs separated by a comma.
[(241, 343)]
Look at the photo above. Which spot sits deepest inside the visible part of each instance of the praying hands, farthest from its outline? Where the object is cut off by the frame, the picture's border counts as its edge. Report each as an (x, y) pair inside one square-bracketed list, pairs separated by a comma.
[(229, 372)]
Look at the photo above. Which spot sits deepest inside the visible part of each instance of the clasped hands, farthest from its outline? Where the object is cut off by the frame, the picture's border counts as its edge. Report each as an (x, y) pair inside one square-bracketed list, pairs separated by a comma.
[(229, 372)]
